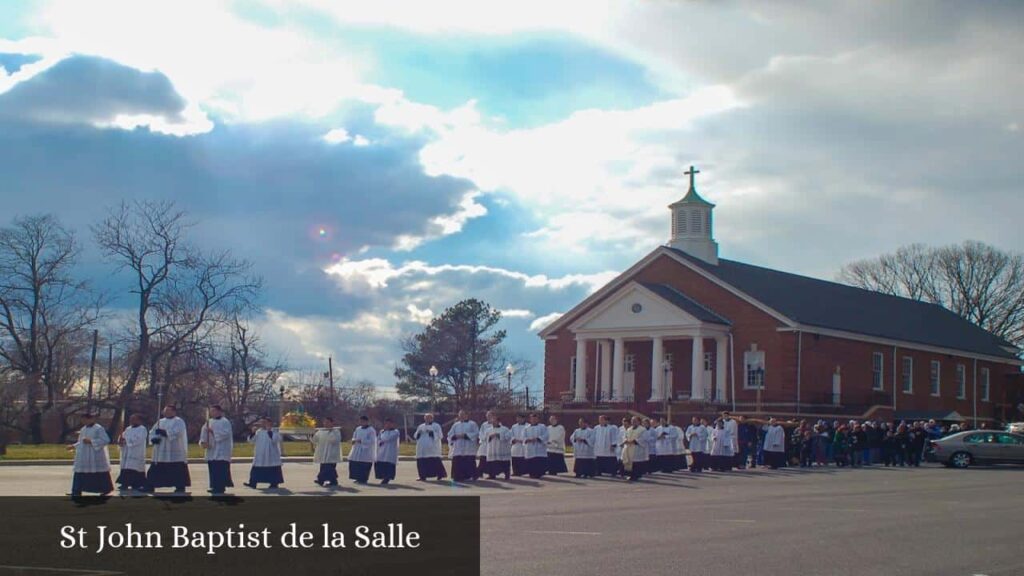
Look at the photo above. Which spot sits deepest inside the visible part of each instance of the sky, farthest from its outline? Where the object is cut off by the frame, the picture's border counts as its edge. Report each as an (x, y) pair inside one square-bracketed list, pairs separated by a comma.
[(379, 161)]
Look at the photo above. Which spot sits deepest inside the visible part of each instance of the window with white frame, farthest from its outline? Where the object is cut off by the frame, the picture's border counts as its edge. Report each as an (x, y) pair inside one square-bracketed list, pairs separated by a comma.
[(754, 362), (572, 373), (961, 381), (983, 384), (708, 361), (630, 363), (934, 375), (877, 371), (908, 375)]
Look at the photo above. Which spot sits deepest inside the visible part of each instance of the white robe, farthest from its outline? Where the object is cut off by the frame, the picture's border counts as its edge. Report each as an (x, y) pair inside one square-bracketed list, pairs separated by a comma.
[(173, 447), (327, 446), (536, 441), (652, 442), (583, 443), (643, 450), (677, 444), (387, 446), (665, 440), (556, 439), (364, 444), (606, 437), (734, 436), (133, 452), (697, 434), (775, 439), (427, 447), (266, 451), (463, 446), (93, 457), (485, 429), (220, 443), (499, 444), (518, 437), (721, 443), (622, 435)]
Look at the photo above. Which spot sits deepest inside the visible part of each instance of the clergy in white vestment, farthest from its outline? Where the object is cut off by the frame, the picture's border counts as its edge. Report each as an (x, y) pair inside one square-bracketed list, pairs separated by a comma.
[(651, 438), (664, 447), (326, 452), (623, 428), (266, 455), (170, 453), (498, 440), (644, 452), (519, 445), (481, 441), (92, 463), (633, 445), (697, 440), (385, 464), (462, 446), (774, 445), (363, 451), (132, 444), (606, 440), (556, 447), (678, 450), (428, 450), (721, 447), (584, 464), (536, 442), (732, 427), (217, 439)]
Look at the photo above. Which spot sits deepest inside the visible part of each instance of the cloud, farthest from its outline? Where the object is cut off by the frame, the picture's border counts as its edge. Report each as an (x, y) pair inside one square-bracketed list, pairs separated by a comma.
[(543, 322)]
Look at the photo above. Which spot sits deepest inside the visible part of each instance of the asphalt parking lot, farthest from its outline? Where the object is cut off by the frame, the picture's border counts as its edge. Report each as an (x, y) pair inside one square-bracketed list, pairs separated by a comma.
[(927, 521)]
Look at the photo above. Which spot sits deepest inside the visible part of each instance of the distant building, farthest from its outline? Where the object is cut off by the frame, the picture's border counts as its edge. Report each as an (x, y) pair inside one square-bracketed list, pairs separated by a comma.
[(683, 326)]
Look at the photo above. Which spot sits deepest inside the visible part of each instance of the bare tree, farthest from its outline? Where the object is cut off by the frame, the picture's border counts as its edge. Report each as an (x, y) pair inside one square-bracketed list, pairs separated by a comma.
[(45, 312), (246, 376), (976, 281), (179, 290)]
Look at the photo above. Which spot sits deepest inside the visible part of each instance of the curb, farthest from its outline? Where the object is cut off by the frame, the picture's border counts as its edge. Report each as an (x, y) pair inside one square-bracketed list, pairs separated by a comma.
[(286, 459)]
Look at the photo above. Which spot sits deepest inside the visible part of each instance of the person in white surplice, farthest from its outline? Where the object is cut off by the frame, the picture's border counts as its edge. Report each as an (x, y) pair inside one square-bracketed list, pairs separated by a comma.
[(326, 452), (92, 463), (606, 440), (519, 445), (428, 450), (266, 455), (584, 464), (170, 453), (217, 438), (774, 445), (481, 450), (697, 438), (499, 448), (556, 447), (462, 447), (363, 451), (132, 443), (386, 463), (536, 441)]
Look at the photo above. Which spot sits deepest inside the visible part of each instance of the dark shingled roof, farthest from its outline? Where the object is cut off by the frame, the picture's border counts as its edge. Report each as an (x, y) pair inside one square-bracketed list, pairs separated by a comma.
[(837, 306), (685, 303)]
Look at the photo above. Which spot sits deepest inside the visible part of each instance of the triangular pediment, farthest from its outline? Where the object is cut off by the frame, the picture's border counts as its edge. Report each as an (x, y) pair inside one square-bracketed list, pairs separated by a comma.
[(634, 307)]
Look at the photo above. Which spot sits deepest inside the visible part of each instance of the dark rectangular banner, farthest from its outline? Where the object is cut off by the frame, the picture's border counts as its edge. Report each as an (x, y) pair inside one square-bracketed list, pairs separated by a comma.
[(256, 536)]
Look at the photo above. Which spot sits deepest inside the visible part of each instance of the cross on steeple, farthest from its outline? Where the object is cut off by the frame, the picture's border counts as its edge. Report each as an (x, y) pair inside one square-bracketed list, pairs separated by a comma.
[(691, 173)]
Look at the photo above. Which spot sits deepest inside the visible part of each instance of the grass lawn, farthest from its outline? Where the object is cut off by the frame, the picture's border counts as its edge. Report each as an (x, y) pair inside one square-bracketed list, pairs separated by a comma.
[(242, 450)]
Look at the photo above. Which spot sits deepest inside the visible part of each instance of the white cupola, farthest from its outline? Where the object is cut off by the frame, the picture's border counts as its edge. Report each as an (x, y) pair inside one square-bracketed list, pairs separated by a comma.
[(692, 224)]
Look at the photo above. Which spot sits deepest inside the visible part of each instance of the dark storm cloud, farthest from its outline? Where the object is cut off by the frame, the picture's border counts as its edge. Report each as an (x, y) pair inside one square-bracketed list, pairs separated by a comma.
[(87, 89)]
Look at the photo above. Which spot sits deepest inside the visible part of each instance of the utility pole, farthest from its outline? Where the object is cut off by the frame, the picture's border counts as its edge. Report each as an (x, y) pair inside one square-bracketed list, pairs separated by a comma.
[(110, 370), (330, 377), (92, 366)]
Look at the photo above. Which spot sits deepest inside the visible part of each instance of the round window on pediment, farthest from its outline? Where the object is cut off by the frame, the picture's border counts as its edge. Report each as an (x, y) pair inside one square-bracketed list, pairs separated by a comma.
[(637, 308)]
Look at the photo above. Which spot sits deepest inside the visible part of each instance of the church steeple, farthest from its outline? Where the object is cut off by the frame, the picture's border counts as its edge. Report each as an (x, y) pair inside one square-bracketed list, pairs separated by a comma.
[(692, 224)]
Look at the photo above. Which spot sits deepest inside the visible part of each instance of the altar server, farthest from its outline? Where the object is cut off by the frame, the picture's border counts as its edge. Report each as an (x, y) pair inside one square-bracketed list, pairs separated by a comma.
[(721, 447), (519, 445), (266, 455), (428, 450), (664, 447), (327, 452), (536, 441), (217, 439), (481, 450), (363, 451), (132, 443), (92, 463), (678, 449), (623, 428), (732, 427), (774, 445), (584, 464), (650, 443), (606, 439), (499, 448), (632, 447), (386, 462), (170, 453), (556, 447), (462, 446), (696, 437)]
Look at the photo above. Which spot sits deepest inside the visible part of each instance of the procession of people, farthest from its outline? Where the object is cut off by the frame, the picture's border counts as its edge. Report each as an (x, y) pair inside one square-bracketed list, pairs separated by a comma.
[(636, 448)]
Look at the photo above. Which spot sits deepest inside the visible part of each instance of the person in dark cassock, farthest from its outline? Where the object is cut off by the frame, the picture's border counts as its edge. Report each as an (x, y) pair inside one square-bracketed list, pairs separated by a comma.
[(536, 447), (132, 443), (556, 447), (169, 466), (428, 450), (363, 451), (519, 445), (326, 452), (606, 439), (584, 464), (462, 447), (92, 463), (386, 463), (499, 448), (266, 455), (217, 438)]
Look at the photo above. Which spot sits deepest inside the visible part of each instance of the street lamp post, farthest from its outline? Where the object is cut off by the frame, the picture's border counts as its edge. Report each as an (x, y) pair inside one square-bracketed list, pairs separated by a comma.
[(159, 399), (280, 405), (666, 366), (509, 371), (433, 386)]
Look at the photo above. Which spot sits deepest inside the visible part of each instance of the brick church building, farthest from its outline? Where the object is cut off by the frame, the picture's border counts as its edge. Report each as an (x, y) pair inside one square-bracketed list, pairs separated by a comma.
[(685, 331)]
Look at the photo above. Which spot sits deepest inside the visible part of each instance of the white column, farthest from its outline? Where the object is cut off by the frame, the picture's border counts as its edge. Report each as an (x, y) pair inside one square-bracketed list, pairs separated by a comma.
[(657, 373), (697, 369), (721, 357), (606, 369), (618, 367), (581, 370)]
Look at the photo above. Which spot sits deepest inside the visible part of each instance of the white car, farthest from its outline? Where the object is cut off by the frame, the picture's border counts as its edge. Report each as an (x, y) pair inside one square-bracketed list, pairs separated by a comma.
[(1016, 427)]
